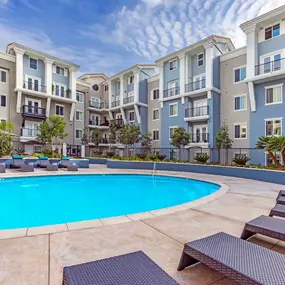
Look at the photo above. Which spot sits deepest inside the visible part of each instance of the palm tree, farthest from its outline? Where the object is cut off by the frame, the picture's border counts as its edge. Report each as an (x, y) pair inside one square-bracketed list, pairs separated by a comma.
[(266, 143), (278, 144)]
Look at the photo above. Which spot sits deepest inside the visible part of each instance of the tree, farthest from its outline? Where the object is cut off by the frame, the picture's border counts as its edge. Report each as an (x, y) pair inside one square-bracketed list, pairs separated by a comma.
[(223, 138), (113, 132), (6, 138), (180, 139), (277, 144), (96, 137), (129, 135), (44, 135), (146, 140), (85, 137)]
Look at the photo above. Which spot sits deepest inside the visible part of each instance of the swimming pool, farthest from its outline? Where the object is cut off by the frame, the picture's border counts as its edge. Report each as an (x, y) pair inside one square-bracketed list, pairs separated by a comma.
[(47, 200)]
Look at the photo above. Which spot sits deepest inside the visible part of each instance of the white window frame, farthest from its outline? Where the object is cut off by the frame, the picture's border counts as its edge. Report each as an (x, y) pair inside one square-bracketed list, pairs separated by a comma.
[(27, 77), (171, 127), (200, 59), (171, 61), (37, 145), (152, 94), (240, 95), (155, 130), (59, 86), (131, 121), (129, 79), (106, 88), (63, 110), (270, 87), (4, 70), (271, 55), (81, 95), (271, 26), (239, 67), (33, 100), (78, 111), (273, 119), (5, 95), (35, 60), (171, 116), (76, 133), (246, 134), (200, 78), (156, 109)]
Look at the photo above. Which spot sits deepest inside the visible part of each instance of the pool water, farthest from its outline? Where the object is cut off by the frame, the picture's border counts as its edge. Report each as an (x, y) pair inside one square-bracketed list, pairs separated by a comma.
[(39, 201)]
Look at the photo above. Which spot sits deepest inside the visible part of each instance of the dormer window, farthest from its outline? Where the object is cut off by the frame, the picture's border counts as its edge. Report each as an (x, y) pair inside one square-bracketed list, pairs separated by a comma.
[(273, 31), (131, 79), (173, 64), (33, 63), (60, 70), (200, 61)]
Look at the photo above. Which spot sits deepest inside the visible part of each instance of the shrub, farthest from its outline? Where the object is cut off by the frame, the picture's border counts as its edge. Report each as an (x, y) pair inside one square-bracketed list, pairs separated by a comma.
[(110, 153), (153, 157), (161, 157), (241, 160), (202, 157), (142, 156)]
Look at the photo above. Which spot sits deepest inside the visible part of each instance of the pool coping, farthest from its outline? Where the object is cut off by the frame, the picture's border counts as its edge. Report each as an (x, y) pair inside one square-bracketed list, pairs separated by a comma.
[(50, 229)]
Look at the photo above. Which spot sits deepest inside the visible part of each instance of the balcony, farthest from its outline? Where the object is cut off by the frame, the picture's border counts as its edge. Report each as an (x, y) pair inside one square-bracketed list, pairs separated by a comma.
[(195, 85), (270, 67), (119, 123), (128, 100), (34, 86), (99, 106), (34, 112), (115, 103), (171, 92), (197, 113), (101, 141), (199, 138), (62, 93), (29, 133), (98, 123)]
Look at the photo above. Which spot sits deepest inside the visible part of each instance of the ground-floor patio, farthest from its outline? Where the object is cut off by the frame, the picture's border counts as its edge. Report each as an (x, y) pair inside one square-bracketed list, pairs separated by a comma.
[(38, 256)]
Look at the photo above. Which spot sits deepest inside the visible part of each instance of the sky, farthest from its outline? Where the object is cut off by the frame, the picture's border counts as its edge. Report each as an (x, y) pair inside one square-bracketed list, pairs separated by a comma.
[(111, 35)]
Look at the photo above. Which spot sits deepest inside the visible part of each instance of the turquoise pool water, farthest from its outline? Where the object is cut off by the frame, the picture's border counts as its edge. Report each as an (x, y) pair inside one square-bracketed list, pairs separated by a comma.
[(39, 201)]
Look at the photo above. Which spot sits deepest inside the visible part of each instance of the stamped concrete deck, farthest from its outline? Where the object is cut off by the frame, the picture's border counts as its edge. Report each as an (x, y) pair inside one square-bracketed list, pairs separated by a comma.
[(39, 256)]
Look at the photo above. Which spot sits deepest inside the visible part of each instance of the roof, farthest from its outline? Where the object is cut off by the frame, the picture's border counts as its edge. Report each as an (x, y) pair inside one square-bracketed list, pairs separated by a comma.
[(233, 54), (42, 54), (92, 75)]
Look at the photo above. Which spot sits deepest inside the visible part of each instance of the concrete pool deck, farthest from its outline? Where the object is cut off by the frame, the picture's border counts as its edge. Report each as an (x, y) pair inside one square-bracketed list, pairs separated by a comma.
[(37, 258)]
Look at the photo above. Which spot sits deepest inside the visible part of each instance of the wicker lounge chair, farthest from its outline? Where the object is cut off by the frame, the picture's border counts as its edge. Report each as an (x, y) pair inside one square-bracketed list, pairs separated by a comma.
[(129, 269), (2, 169), (242, 261), (280, 194), (68, 165), (17, 163), (27, 168), (266, 226), (45, 163), (278, 210), (281, 200), (52, 167)]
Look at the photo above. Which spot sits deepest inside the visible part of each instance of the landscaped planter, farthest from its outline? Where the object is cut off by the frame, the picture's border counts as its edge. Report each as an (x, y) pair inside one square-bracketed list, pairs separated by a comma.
[(273, 176), (97, 160)]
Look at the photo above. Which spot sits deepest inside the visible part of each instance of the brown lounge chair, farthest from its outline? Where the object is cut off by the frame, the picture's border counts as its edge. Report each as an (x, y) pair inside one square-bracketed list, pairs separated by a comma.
[(129, 269), (266, 226), (281, 200), (47, 165), (280, 194), (2, 169), (27, 168), (69, 166), (244, 262), (278, 211), (19, 163)]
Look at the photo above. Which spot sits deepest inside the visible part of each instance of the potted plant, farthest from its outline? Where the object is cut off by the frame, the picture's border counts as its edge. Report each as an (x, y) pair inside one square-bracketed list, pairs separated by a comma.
[(52, 89), (68, 92)]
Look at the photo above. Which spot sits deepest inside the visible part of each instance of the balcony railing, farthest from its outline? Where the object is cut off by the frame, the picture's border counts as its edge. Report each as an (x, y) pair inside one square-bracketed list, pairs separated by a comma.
[(98, 123), (115, 103), (171, 92), (29, 133), (195, 85), (199, 138), (62, 93), (102, 105), (34, 86), (270, 66), (33, 111), (119, 123), (128, 100), (197, 112)]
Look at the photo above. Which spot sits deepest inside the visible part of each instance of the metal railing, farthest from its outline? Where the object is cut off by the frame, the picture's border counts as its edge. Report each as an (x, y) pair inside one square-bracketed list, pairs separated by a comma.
[(195, 85), (33, 111), (118, 122), (197, 112), (115, 103), (34, 86), (62, 93), (102, 105), (128, 100), (171, 92), (29, 133), (199, 138), (270, 66), (99, 123)]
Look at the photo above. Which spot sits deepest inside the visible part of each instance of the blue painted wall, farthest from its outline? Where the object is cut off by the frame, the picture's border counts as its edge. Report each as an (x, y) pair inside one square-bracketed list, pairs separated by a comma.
[(170, 75), (197, 70), (127, 112), (40, 72), (271, 45), (214, 121), (130, 87), (60, 79), (143, 90)]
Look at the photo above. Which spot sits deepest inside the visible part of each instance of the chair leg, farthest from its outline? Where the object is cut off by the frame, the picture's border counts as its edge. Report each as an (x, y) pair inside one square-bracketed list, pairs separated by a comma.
[(185, 261), (246, 234), (271, 214)]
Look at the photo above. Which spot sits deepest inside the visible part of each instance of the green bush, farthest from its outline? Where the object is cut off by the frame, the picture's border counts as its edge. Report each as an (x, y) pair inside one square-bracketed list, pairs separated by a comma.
[(161, 157), (241, 160), (153, 157), (142, 156), (202, 157), (110, 153)]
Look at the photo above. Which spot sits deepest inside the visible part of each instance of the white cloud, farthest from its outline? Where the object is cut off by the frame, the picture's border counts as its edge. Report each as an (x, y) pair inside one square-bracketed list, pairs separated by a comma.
[(154, 28), (4, 2)]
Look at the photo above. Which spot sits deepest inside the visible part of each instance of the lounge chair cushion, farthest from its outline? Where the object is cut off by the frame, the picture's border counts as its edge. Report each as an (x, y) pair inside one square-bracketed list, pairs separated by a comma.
[(43, 158), (65, 158), (17, 157)]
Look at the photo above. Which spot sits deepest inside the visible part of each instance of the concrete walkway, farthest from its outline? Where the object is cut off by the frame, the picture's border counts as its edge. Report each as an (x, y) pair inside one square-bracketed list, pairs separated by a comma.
[(38, 260)]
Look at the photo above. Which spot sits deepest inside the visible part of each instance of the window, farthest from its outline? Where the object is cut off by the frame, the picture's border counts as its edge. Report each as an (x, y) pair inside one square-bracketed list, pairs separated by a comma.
[(155, 135), (155, 94), (59, 70), (3, 76), (79, 97), (79, 116), (79, 134), (3, 101), (106, 88), (132, 116), (173, 88), (173, 110), (272, 31), (240, 74), (199, 82), (273, 127), (59, 90), (37, 148), (271, 63), (155, 114), (59, 110), (240, 131), (131, 79), (200, 59), (171, 131), (173, 64), (33, 63), (240, 103), (273, 95)]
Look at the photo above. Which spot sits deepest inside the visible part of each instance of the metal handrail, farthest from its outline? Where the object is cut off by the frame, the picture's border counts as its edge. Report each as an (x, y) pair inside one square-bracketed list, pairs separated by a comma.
[(197, 112), (34, 87), (270, 66), (171, 92)]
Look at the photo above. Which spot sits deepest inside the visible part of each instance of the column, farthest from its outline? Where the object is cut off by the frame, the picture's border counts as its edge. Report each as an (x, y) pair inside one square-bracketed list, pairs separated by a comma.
[(121, 90), (209, 56), (72, 111), (161, 83), (110, 93), (136, 85), (19, 67), (182, 73), (186, 69), (252, 52), (48, 106), (82, 150), (48, 75), (72, 82)]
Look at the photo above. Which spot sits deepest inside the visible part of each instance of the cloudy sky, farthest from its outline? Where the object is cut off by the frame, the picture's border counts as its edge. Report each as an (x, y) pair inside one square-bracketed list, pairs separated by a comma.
[(111, 35)]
